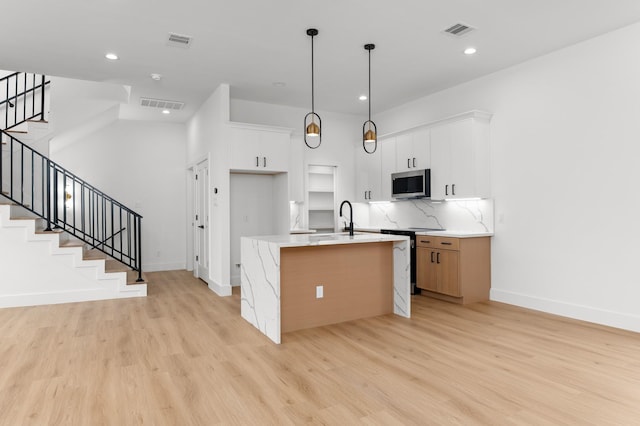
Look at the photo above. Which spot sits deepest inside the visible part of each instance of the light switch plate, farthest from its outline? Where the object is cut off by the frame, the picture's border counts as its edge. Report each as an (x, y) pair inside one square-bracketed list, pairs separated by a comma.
[(319, 292)]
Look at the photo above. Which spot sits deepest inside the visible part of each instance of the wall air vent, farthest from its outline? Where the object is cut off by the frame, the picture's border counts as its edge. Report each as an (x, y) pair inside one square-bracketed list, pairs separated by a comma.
[(162, 104), (179, 40), (459, 30)]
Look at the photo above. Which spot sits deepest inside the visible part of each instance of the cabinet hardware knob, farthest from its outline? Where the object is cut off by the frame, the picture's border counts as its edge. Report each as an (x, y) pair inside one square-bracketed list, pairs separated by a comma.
[(414, 161), (257, 162), (446, 190), (431, 257), (264, 160), (408, 163), (446, 244), (425, 241), (437, 257), (453, 189)]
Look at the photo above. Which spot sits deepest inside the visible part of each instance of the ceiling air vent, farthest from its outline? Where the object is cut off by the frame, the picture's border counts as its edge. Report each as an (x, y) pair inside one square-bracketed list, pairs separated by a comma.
[(459, 30), (162, 104), (178, 40)]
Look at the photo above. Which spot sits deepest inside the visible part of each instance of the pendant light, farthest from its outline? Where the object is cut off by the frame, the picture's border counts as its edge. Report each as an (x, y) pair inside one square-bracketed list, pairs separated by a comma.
[(311, 128), (369, 129)]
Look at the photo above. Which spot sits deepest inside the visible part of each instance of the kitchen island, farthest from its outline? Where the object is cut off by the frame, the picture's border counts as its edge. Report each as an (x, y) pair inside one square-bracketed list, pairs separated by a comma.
[(292, 282)]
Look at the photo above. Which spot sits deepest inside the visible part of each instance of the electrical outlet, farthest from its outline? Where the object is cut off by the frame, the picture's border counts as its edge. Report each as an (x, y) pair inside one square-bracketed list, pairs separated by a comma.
[(319, 291)]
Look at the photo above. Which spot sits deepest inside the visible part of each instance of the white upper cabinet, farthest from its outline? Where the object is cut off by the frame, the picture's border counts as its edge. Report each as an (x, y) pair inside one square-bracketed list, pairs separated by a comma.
[(388, 165), (368, 168), (412, 150), (460, 159), (260, 150)]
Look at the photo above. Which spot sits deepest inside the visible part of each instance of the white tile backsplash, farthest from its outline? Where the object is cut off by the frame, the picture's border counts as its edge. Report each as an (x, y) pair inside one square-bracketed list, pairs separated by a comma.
[(466, 216), (295, 219)]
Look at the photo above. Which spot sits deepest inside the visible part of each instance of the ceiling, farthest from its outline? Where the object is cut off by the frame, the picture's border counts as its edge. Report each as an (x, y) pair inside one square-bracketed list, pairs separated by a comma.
[(252, 44)]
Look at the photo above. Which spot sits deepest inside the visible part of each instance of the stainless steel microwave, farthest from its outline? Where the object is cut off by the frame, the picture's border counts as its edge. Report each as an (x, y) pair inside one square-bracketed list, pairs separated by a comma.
[(411, 184)]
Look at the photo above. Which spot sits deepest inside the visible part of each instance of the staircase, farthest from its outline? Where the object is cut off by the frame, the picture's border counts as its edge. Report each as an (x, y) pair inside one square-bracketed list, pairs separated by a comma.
[(61, 239)]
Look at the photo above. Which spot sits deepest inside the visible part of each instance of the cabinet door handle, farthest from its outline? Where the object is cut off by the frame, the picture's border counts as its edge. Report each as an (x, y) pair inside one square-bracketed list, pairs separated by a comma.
[(437, 257), (264, 160), (446, 244), (453, 189), (257, 162), (425, 241), (414, 161), (446, 190), (431, 257), (408, 163), (369, 194)]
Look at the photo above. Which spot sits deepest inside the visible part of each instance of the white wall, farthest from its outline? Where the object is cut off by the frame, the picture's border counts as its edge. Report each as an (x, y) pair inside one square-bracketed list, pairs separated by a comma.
[(142, 165), (565, 148), (206, 134)]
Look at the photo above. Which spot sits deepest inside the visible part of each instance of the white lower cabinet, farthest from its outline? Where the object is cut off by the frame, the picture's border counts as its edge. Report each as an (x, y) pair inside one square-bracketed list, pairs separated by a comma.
[(460, 159)]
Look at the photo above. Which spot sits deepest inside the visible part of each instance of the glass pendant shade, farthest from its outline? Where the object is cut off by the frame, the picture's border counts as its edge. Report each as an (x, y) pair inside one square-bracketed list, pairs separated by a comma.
[(311, 128)]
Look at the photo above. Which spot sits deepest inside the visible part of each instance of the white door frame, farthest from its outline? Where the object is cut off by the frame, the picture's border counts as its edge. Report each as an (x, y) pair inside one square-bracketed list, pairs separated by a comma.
[(200, 219)]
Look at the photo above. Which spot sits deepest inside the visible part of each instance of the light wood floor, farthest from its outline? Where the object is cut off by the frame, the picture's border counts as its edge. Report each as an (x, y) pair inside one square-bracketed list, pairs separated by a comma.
[(184, 356)]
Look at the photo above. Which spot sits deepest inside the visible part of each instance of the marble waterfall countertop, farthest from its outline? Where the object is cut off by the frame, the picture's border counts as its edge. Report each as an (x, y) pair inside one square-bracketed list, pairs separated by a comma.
[(260, 273), (301, 240)]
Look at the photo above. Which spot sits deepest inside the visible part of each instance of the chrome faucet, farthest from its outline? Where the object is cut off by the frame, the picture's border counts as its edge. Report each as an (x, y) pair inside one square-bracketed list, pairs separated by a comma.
[(350, 215)]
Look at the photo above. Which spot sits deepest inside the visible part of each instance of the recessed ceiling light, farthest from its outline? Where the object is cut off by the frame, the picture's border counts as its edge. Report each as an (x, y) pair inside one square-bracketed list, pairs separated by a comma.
[(111, 56), (166, 111), (279, 84), (469, 50), (156, 77), (363, 97)]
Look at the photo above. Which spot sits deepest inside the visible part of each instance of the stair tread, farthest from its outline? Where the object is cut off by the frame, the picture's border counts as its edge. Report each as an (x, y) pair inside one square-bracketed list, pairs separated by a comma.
[(71, 243), (94, 255), (23, 218), (16, 131), (112, 265), (132, 276), (37, 121)]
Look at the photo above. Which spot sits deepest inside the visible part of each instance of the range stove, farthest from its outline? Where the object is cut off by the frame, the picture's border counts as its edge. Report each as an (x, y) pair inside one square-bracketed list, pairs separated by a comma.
[(411, 233)]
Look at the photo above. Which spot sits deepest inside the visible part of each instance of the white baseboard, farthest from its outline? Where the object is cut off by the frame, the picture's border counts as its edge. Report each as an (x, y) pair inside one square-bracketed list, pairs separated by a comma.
[(156, 267), (219, 289), (581, 312), (65, 296)]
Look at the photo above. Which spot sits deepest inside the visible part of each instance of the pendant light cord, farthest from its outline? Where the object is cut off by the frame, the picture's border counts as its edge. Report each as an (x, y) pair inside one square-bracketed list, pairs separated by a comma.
[(312, 79), (369, 86)]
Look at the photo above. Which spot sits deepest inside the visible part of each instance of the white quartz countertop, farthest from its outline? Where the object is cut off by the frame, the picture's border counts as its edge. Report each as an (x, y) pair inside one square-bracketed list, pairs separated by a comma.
[(302, 240), (456, 234), (453, 234)]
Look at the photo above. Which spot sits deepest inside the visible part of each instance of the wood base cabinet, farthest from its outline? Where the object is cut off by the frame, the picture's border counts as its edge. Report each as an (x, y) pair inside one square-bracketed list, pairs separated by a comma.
[(454, 269)]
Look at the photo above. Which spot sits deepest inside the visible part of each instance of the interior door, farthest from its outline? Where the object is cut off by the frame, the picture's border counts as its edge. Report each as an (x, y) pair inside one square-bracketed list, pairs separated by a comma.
[(201, 220)]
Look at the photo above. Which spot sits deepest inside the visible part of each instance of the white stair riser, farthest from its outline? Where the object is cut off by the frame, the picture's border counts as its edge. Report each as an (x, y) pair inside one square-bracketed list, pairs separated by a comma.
[(38, 271)]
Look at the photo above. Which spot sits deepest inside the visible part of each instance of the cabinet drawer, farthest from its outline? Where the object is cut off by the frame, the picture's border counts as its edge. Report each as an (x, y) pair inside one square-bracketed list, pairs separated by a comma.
[(445, 243)]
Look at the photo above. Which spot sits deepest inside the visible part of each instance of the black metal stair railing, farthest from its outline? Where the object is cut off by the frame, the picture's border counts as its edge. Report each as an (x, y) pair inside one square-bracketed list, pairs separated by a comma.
[(22, 98), (68, 203), (62, 199)]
